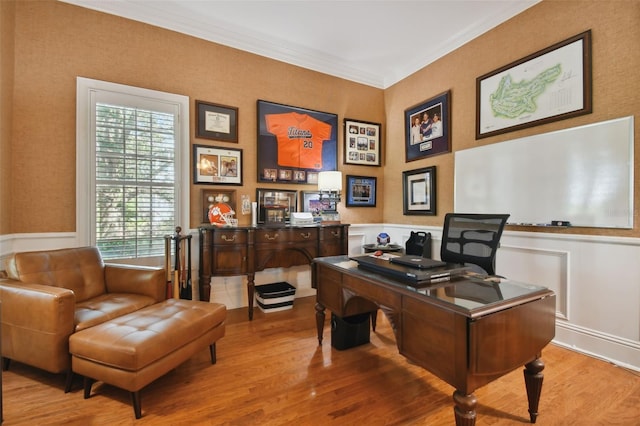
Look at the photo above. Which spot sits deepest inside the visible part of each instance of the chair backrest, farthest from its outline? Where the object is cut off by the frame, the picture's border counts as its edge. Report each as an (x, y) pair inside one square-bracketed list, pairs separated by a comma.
[(472, 239)]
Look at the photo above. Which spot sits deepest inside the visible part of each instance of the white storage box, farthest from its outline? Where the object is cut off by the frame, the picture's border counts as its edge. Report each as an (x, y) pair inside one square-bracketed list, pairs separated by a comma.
[(275, 297)]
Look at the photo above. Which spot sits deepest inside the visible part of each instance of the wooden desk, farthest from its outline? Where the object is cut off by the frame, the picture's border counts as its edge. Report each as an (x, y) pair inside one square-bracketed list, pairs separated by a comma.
[(247, 250), (448, 329)]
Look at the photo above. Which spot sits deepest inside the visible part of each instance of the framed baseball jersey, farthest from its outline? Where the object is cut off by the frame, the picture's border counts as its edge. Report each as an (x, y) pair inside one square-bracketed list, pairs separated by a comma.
[(294, 144)]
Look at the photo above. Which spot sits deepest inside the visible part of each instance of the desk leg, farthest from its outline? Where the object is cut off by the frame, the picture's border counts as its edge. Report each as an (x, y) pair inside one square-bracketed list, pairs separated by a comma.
[(319, 321), (251, 286), (465, 409), (533, 380)]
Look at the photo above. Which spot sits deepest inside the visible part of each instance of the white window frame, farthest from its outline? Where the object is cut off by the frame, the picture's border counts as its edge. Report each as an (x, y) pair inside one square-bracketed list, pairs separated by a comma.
[(85, 157)]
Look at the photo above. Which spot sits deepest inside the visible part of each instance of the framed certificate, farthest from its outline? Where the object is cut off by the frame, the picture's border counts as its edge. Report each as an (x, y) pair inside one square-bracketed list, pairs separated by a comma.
[(217, 122)]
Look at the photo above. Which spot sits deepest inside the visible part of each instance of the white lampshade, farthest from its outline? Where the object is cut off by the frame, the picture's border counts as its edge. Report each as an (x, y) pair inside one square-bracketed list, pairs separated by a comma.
[(330, 181)]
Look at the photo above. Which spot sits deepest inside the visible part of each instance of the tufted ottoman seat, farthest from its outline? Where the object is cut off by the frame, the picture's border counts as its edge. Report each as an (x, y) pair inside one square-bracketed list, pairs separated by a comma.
[(133, 350)]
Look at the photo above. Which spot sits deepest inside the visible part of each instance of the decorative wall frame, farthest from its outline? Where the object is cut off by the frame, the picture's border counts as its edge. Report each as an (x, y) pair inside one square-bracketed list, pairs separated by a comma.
[(362, 143), (428, 128), (219, 122), (361, 191), (310, 201), (217, 166), (419, 191), (212, 196), (275, 205), (549, 85), (284, 132)]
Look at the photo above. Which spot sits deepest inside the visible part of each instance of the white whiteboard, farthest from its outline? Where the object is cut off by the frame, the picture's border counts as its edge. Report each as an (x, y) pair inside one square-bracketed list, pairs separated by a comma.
[(583, 175)]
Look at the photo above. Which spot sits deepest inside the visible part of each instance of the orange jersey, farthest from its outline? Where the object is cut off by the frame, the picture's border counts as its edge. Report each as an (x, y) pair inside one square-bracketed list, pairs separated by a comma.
[(299, 138)]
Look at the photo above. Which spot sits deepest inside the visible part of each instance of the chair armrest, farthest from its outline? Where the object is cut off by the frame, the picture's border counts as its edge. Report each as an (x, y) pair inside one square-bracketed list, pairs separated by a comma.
[(37, 321), (145, 280)]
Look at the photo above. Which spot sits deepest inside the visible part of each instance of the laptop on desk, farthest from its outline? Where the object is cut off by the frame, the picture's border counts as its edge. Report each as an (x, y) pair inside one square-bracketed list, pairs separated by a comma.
[(409, 275), (419, 262)]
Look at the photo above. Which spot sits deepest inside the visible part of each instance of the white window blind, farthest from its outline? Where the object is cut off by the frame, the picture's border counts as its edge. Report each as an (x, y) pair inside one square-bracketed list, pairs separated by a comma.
[(135, 180), (132, 144)]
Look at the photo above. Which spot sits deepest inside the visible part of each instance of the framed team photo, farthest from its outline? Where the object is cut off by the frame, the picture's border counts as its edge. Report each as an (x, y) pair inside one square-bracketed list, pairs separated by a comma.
[(361, 191), (294, 144), (362, 143), (427, 128)]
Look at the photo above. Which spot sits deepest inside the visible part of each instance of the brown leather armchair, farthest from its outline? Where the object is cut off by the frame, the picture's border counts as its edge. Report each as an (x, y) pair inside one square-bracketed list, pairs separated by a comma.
[(49, 295)]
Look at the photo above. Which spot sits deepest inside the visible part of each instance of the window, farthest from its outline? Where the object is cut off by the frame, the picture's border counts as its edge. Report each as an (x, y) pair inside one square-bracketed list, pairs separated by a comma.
[(129, 168)]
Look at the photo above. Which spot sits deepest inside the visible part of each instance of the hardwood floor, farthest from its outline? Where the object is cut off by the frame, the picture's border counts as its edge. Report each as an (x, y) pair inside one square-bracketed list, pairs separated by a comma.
[(271, 371)]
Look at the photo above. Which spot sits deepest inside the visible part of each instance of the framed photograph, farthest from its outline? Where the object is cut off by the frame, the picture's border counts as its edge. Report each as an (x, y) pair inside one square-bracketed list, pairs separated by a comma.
[(428, 128), (362, 142), (275, 205), (550, 85), (294, 144), (361, 191), (212, 196), (217, 166), (219, 122), (419, 191), (310, 201)]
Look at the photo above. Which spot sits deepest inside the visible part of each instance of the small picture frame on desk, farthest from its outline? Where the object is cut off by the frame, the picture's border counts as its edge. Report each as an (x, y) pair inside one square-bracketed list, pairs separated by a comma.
[(275, 205)]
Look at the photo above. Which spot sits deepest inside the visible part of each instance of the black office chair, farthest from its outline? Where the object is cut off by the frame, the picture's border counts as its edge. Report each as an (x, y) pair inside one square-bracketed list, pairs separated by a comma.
[(472, 239)]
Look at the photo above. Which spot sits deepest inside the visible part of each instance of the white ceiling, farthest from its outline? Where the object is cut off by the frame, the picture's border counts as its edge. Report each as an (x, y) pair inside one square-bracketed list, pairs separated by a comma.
[(375, 42)]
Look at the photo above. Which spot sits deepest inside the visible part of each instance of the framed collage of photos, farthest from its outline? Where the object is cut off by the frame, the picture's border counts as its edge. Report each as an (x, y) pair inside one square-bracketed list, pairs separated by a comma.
[(361, 143), (216, 165)]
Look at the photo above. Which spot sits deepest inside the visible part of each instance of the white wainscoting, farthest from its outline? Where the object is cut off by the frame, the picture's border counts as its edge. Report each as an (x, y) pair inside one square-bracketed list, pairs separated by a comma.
[(596, 280)]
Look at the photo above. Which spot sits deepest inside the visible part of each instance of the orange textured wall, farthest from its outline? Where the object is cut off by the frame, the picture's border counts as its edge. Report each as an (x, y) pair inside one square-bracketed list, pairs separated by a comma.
[(55, 42), (7, 15), (616, 60)]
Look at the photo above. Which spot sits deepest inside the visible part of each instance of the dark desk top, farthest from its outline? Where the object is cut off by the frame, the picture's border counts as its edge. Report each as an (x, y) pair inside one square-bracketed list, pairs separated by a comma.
[(472, 294)]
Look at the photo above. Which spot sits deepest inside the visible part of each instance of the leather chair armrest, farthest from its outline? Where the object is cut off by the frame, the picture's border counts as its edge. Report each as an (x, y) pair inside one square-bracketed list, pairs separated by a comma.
[(37, 321), (149, 281)]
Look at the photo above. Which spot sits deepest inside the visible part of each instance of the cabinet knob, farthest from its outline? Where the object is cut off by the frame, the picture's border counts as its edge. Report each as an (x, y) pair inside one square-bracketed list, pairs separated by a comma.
[(335, 233), (230, 239), (305, 235), (269, 237)]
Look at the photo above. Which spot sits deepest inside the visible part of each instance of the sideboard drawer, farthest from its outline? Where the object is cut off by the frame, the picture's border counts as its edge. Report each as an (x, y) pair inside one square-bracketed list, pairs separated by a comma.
[(229, 237), (289, 235)]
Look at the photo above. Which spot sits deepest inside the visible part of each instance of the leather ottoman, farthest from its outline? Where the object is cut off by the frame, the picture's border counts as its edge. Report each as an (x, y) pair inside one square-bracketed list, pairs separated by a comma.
[(133, 350)]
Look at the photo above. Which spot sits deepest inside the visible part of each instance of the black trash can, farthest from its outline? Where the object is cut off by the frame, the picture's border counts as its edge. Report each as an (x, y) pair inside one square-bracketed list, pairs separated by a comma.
[(349, 332)]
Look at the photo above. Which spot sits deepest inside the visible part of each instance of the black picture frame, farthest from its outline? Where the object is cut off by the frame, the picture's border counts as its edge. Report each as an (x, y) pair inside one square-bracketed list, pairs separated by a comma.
[(275, 205), (561, 74), (281, 127), (426, 137), (361, 191), (218, 122), (362, 143), (216, 165), (419, 191)]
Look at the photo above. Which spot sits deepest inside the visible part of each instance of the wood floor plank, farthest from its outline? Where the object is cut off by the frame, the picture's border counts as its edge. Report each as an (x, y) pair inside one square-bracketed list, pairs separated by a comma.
[(271, 371)]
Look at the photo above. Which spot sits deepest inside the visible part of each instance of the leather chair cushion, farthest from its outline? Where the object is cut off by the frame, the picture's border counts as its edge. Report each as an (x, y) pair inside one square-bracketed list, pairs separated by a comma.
[(105, 307), (78, 269), (136, 340)]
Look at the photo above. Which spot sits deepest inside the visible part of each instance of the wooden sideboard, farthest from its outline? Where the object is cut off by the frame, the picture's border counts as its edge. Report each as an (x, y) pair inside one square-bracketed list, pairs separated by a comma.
[(247, 250)]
